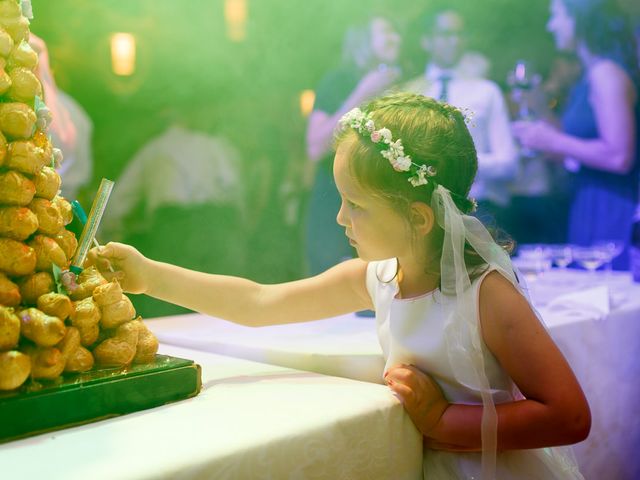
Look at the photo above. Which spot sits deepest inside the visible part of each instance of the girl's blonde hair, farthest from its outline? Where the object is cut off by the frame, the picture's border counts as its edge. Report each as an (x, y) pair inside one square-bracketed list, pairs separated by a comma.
[(432, 133)]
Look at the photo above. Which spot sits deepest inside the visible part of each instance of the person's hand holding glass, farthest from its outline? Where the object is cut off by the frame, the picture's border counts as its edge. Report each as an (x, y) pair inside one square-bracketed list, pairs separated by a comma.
[(525, 96)]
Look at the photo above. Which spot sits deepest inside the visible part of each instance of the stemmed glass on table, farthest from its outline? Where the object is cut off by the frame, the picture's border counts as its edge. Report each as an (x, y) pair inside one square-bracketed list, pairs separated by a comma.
[(533, 259), (611, 249), (561, 255), (591, 258)]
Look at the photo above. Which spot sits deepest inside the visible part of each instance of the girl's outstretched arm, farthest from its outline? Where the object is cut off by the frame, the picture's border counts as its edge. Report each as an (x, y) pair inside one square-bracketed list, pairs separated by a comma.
[(554, 411), (339, 290)]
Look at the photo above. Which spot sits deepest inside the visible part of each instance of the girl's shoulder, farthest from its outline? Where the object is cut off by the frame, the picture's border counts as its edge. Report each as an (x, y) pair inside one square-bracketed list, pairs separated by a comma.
[(492, 283), (502, 305)]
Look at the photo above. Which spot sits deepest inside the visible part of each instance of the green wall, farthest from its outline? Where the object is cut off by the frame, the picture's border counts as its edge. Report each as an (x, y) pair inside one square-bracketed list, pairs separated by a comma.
[(247, 92)]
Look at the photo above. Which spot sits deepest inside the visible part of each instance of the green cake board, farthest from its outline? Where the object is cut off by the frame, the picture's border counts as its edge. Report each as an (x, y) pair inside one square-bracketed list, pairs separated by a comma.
[(39, 407)]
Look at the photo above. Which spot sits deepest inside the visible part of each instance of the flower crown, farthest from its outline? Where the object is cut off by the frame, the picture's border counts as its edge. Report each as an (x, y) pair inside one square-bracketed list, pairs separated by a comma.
[(393, 151)]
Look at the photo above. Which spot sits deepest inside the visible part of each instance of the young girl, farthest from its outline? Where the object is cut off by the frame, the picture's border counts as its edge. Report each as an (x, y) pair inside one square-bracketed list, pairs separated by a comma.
[(474, 367)]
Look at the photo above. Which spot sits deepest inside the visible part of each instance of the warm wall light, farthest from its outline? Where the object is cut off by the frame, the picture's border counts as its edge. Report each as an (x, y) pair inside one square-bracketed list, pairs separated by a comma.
[(235, 15), (123, 53), (307, 99)]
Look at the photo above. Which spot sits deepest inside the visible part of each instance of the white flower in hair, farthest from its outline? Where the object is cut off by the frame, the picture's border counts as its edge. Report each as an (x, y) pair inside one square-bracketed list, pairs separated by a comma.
[(418, 180), (369, 126), (401, 163), (386, 135), (419, 177), (397, 147), (353, 118), (393, 151)]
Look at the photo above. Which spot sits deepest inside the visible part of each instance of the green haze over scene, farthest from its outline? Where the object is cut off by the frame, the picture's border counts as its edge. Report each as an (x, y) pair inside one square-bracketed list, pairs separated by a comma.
[(247, 91)]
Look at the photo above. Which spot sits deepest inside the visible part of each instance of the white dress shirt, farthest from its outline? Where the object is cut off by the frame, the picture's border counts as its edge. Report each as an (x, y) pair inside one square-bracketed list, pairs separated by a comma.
[(489, 126), (179, 167)]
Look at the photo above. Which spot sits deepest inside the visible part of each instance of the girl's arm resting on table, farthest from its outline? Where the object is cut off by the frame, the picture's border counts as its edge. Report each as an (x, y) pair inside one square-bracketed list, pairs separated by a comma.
[(337, 291), (555, 411)]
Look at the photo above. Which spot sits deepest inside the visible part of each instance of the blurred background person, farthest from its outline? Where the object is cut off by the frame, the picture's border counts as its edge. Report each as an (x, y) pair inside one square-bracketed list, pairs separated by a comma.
[(457, 76), (182, 198), (599, 135), (539, 192), (370, 53), (71, 128)]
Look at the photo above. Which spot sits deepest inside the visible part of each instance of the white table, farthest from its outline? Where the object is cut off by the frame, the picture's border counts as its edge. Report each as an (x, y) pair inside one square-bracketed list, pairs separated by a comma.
[(250, 421), (602, 349), (604, 352)]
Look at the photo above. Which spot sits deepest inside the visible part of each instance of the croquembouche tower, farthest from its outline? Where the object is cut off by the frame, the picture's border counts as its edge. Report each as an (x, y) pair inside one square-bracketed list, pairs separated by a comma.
[(47, 329)]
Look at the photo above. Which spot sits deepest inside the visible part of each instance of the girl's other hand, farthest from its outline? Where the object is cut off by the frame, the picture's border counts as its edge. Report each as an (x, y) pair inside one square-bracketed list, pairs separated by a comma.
[(420, 394), (129, 265)]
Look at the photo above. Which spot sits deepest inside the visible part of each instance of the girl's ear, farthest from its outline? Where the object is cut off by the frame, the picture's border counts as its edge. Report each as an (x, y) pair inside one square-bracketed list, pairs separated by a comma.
[(422, 218)]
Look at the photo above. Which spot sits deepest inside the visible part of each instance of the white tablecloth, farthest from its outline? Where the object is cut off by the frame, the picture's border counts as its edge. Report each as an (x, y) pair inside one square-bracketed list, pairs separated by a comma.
[(602, 349), (604, 352), (250, 421)]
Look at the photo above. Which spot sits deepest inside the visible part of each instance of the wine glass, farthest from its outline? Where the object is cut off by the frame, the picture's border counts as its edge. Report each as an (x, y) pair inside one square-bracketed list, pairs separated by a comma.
[(590, 258), (533, 259), (611, 249), (522, 80), (561, 255)]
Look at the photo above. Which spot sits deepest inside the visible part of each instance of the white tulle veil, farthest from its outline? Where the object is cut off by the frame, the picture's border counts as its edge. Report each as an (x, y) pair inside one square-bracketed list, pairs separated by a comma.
[(463, 336)]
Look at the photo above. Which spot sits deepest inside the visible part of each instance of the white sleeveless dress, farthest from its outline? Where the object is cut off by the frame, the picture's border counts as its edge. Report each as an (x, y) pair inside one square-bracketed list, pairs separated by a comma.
[(411, 331)]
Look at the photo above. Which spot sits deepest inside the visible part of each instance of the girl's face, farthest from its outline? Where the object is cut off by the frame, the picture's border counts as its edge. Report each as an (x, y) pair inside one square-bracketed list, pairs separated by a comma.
[(374, 229), (562, 26), (385, 41)]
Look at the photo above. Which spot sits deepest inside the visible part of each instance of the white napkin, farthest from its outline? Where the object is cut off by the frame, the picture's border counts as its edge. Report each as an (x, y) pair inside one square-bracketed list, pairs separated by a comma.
[(595, 301)]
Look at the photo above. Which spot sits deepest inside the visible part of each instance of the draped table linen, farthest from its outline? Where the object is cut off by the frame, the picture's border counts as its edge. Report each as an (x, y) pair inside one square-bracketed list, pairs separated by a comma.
[(594, 319)]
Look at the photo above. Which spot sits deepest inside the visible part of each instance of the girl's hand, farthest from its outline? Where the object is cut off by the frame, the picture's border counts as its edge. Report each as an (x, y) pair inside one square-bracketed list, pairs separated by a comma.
[(420, 394), (536, 135), (129, 265)]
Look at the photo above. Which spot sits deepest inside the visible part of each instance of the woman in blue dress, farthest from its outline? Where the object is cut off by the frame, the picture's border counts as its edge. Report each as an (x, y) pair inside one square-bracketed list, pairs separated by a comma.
[(599, 137)]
